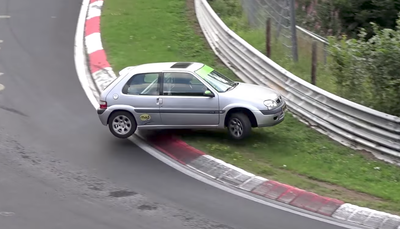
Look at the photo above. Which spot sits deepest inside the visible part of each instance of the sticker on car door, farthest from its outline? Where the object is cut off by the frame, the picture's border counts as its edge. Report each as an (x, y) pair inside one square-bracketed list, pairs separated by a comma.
[(145, 117)]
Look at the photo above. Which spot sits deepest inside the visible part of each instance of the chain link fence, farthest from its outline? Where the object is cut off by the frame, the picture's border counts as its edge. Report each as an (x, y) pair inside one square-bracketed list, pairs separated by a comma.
[(286, 35), (258, 11), (305, 39)]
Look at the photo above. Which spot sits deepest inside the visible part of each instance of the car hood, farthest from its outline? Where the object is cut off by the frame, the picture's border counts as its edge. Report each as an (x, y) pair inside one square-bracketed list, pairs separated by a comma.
[(252, 92)]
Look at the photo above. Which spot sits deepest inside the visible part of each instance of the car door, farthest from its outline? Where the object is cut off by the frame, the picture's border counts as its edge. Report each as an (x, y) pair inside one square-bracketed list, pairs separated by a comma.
[(183, 101), (142, 92)]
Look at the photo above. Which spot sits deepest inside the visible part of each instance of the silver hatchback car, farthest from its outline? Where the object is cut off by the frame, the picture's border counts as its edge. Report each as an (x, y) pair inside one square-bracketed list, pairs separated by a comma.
[(186, 95)]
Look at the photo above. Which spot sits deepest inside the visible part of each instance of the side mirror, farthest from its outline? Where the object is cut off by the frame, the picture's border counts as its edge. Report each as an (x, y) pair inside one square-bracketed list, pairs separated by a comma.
[(209, 93)]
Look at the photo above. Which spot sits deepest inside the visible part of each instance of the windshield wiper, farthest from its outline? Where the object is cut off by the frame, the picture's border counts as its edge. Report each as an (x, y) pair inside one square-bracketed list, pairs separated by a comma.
[(233, 86)]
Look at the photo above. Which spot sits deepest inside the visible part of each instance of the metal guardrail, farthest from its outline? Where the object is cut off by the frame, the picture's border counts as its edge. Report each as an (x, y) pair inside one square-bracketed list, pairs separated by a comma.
[(313, 35), (349, 123), (306, 35)]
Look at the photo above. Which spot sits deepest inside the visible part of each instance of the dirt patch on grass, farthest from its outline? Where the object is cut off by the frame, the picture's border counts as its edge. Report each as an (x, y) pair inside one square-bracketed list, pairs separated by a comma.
[(350, 194), (323, 188), (191, 15)]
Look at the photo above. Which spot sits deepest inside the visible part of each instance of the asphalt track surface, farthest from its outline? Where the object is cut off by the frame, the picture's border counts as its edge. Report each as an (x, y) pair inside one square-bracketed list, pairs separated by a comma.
[(57, 162)]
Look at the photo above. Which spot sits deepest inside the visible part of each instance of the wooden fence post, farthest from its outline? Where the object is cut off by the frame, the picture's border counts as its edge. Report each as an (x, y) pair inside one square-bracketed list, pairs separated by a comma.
[(314, 63)]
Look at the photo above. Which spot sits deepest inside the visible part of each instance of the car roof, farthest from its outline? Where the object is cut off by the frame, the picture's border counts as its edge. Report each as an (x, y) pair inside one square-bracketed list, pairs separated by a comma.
[(167, 66)]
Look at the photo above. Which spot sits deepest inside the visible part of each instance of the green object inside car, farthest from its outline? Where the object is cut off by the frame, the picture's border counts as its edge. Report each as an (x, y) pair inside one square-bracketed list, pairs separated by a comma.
[(204, 71)]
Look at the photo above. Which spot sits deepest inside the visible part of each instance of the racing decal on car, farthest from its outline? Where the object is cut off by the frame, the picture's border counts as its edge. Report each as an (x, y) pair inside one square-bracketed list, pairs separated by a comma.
[(145, 117)]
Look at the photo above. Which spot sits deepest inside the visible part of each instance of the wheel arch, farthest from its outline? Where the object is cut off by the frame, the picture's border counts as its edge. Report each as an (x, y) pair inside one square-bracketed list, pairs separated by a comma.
[(120, 110), (243, 110)]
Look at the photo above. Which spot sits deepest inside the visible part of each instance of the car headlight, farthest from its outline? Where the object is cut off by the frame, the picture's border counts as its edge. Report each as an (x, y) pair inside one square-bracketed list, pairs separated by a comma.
[(270, 104)]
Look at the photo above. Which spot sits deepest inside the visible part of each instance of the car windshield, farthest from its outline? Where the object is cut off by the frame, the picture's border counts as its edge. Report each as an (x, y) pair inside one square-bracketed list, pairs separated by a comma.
[(218, 81)]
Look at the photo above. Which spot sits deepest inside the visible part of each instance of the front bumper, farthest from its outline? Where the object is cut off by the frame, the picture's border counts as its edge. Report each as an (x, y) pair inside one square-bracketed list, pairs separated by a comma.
[(266, 118)]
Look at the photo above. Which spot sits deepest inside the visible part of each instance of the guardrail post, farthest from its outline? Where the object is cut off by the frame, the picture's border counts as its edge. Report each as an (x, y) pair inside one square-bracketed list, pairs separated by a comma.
[(268, 37), (325, 53), (314, 63)]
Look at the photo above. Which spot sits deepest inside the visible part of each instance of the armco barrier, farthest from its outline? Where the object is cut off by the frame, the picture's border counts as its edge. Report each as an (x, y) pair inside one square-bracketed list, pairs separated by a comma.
[(347, 122)]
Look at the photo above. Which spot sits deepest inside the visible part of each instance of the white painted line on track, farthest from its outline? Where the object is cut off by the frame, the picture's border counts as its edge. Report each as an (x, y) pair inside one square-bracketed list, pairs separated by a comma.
[(4, 16), (7, 213), (80, 55)]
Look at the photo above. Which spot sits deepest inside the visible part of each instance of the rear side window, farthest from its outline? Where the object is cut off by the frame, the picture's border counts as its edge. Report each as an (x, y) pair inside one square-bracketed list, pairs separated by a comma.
[(182, 84), (143, 84)]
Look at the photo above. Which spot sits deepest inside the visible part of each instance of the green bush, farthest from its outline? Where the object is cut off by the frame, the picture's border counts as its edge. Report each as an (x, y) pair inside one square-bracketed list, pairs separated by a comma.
[(333, 17), (232, 12), (357, 14), (367, 69)]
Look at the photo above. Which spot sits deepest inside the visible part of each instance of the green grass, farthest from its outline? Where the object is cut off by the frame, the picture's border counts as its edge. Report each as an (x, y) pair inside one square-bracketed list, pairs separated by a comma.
[(151, 31), (142, 31)]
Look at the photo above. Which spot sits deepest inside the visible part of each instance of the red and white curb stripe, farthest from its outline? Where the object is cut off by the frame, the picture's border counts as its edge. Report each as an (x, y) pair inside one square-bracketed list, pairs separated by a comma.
[(238, 178), (100, 69), (102, 74)]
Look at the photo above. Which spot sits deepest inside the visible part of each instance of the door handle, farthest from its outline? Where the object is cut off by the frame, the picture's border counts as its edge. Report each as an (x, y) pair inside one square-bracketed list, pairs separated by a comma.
[(159, 101)]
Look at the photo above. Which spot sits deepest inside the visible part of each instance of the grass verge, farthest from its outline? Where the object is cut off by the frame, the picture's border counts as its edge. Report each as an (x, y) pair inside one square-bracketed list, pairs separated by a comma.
[(150, 31)]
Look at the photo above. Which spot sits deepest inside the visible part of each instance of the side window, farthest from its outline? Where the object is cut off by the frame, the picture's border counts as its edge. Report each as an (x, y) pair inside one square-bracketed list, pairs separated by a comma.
[(183, 84), (142, 84)]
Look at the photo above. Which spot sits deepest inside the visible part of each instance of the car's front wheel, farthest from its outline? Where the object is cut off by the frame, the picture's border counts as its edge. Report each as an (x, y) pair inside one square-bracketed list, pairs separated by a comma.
[(239, 126), (122, 124)]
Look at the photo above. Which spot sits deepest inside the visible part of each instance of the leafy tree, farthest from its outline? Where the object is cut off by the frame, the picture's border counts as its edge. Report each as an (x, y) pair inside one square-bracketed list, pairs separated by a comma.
[(367, 69), (356, 14), (347, 16)]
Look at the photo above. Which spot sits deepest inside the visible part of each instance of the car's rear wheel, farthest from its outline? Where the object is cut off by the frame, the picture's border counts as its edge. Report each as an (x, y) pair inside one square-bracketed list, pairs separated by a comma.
[(122, 124), (239, 126)]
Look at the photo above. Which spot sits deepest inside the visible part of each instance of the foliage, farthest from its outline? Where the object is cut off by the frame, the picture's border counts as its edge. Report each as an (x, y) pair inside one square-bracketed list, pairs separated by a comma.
[(329, 17), (357, 14), (359, 70), (333, 17), (323, 19), (366, 70), (232, 12)]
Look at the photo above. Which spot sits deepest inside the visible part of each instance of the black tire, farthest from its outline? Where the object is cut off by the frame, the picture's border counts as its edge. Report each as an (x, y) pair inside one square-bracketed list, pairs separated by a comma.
[(239, 126), (126, 124)]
